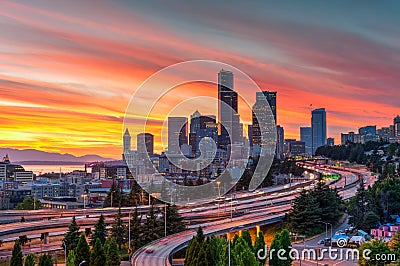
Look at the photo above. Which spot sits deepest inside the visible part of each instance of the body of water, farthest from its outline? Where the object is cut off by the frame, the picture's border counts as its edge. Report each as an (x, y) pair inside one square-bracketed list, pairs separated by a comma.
[(42, 169)]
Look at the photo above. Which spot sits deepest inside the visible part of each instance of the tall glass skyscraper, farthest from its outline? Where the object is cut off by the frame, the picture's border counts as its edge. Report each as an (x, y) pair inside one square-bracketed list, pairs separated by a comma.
[(228, 116), (306, 137), (177, 134), (260, 108), (318, 124)]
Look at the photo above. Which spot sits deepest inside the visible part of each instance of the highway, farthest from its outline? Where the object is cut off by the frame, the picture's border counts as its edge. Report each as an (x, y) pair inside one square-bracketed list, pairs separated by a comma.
[(164, 248)]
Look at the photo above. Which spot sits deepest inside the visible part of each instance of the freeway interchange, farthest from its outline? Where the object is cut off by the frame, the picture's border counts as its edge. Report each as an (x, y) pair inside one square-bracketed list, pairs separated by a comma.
[(246, 209)]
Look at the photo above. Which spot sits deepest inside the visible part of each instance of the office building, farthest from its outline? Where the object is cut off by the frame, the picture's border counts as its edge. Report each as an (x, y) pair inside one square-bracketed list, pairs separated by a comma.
[(367, 133), (280, 142), (396, 128), (127, 141), (228, 117), (330, 142), (318, 124), (177, 134), (306, 137), (145, 144), (296, 148)]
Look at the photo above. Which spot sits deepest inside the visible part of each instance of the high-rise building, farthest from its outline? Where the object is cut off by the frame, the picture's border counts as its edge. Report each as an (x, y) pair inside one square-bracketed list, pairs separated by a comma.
[(127, 142), (177, 134), (318, 124), (367, 133), (280, 141), (330, 142), (306, 137), (145, 144), (384, 134), (228, 117), (396, 129), (250, 134), (260, 111), (296, 148)]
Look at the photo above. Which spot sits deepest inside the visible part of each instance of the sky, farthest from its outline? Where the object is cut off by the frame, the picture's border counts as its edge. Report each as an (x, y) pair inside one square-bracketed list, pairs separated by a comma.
[(68, 69)]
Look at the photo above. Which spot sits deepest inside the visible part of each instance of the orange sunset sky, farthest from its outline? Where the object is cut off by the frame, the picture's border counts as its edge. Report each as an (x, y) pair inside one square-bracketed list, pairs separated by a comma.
[(68, 69)]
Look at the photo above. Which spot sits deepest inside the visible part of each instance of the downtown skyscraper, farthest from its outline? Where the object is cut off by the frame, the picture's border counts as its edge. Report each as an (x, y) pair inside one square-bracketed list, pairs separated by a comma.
[(318, 125), (228, 117)]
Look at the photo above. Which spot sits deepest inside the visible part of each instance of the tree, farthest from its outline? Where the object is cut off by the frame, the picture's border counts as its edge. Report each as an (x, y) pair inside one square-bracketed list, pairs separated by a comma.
[(99, 232), (151, 228), (72, 237), (260, 245), (191, 252), (395, 246), (136, 225), (247, 238), (275, 246), (27, 204), (16, 257), (175, 222), (371, 219), (112, 257), (376, 247), (23, 240), (285, 244), (115, 194), (30, 260), (45, 260), (82, 251), (215, 247), (243, 254), (118, 229), (97, 257), (71, 260)]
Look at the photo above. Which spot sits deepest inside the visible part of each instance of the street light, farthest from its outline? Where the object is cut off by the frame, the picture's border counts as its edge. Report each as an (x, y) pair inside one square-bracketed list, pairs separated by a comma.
[(129, 235), (326, 230), (65, 252), (83, 262)]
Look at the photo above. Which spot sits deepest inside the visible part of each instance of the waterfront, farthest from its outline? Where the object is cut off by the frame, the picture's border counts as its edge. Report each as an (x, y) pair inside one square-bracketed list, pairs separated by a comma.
[(42, 169)]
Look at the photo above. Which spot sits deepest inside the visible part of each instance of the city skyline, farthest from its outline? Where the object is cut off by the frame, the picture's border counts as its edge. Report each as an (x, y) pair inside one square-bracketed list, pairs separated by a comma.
[(66, 78)]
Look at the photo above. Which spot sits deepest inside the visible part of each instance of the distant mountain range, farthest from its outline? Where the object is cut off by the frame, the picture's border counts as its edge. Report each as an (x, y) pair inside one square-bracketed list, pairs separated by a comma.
[(31, 156)]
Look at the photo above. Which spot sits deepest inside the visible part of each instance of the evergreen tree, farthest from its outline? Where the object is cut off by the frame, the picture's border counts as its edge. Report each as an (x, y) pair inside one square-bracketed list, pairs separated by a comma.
[(72, 237), (201, 259), (82, 251), (118, 229), (135, 194), (99, 232), (371, 220), (136, 226), (215, 247), (71, 260), (304, 213), (45, 260), (30, 260), (151, 228), (97, 257), (260, 245), (247, 238), (115, 194), (16, 257), (112, 257), (243, 254), (285, 244), (275, 246), (175, 222), (191, 252)]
